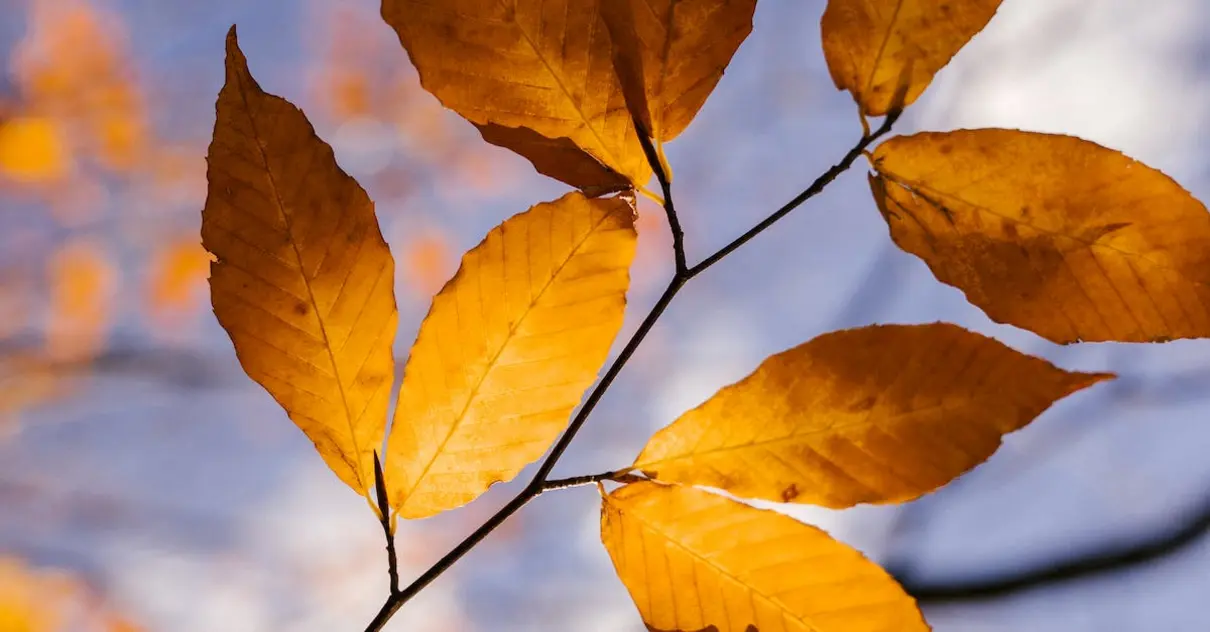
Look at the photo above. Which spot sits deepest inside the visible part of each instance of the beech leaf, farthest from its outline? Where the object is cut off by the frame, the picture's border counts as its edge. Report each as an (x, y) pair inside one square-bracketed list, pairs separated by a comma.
[(1051, 233), (693, 560), (877, 414), (526, 63), (884, 51), (670, 54), (302, 280), (507, 350)]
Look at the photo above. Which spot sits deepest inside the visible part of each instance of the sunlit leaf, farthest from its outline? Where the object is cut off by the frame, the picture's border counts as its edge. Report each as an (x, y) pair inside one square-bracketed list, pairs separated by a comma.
[(670, 54), (303, 278), (876, 414), (878, 49), (33, 149), (528, 63), (507, 350), (692, 560), (1051, 233)]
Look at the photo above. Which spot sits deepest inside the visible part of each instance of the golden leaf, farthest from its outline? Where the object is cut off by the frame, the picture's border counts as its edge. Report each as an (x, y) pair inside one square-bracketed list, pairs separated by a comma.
[(876, 414), (507, 350), (1051, 233), (303, 279), (885, 50), (540, 64), (693, 560), (669, 54)]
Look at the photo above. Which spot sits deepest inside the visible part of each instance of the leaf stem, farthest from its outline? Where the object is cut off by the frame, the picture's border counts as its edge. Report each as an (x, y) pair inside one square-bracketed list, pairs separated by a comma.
[(674, 224), (684, 273)]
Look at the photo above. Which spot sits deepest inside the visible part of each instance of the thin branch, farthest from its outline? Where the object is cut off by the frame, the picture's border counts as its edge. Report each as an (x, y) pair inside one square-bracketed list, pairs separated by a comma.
[(683, 274), (674, 223), (384, 515), (816, 187), (578, 481), (1113, 559)]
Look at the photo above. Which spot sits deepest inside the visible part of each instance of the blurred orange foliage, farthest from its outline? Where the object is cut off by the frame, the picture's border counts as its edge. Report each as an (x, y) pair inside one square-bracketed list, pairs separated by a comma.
[(89, 89), (52, 601), (82, 281)]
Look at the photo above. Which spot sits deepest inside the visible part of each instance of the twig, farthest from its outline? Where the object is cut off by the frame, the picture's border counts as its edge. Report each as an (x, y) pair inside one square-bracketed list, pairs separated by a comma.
[(674, 223), (1115, 558), (683, 274), (384, 515)]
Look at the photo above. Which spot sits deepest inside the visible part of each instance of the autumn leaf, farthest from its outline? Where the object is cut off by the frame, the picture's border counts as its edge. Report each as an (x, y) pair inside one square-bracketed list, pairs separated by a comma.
[(303, 279), (1051, 233), (507, 350), (531, 64), (669, 55), (882, 51), (692, 559), (877, 414)]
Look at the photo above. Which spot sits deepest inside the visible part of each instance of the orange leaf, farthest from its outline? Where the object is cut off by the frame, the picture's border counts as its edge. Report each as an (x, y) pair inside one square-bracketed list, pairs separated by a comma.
[(669, 54), (884, 50), (695, 561), (877, 415), (303, 279), (532, 64), (1051, 233), (507, 350)]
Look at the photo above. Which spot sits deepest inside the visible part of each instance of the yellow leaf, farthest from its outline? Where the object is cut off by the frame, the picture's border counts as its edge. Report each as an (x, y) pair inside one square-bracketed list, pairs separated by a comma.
[(507, 350), (693, 560), (1054, 234), (876, 414), (540, 64), (669, 54), (879, 49), (32, 149), (303, 279)]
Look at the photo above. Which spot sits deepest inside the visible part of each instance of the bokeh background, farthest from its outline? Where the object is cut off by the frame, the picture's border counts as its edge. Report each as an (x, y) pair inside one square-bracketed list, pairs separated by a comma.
[(147, 484)]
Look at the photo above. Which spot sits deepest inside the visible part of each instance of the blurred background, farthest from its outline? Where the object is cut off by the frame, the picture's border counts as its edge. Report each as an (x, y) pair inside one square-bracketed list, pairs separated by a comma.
[(147, 484)]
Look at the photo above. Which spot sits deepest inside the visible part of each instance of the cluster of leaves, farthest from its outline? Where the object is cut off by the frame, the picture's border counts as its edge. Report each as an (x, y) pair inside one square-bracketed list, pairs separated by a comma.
[(1050, 233)]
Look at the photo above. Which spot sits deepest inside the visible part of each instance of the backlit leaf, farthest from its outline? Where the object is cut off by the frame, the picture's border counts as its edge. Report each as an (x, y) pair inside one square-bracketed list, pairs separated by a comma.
[(507, 350), (540, 64), (692, 560), (303, 278), (1051, 233), (670, 54), (876, 49), (876, 414)]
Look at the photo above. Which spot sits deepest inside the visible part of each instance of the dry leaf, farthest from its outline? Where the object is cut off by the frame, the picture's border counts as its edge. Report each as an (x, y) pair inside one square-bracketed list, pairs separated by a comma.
[(876, 414), (880, 49), (669, 55), (303, 279), (692, 559), (1051, 233), (507, 350), (540, 64)]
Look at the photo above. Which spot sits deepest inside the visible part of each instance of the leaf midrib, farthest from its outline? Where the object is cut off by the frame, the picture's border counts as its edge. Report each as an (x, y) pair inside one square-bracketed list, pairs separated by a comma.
[(281, 209), (671, 541), (474, 391), (563, 87)]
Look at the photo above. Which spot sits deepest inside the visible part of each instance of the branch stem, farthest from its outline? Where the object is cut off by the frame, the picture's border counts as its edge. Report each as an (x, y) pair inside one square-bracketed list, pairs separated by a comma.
[(541, 482)]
